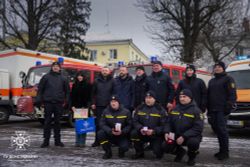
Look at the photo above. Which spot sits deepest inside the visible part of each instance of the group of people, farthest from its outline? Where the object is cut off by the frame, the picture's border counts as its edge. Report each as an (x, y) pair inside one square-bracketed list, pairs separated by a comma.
[(141, 110)]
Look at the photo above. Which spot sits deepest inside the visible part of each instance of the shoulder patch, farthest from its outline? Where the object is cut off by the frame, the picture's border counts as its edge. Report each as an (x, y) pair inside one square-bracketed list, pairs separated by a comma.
[(202, 116), (232, 85)]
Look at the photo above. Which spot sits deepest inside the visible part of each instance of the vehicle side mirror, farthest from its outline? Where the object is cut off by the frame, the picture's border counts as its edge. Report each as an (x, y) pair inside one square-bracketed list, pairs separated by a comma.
[(22, 74)]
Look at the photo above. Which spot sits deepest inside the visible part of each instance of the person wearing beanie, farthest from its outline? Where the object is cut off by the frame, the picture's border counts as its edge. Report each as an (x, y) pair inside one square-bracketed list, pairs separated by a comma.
[(141, 85), (56, 64), (196, 85), (54, 93), (103, 88), (221, 64), (148, 123), (157, 62), (184, 128), (161, 84), (221, 101), (115, 126)]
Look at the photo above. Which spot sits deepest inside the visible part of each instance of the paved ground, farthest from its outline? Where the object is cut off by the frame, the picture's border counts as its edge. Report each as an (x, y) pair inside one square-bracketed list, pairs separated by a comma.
[(69, 156)]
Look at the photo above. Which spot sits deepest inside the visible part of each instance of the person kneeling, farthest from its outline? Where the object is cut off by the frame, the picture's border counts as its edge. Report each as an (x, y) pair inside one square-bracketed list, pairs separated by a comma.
[(148, 121), (184, 128), (115, 126)]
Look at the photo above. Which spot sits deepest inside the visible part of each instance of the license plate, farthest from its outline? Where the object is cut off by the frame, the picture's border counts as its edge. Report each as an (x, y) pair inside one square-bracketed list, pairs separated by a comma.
[(235, 123)]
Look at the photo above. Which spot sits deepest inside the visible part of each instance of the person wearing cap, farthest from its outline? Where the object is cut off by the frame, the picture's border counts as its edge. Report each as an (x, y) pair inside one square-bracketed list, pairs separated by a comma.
[(103, 88), (80, 98), (221, 101), (148, 123), (124, 88), (161, 84), (53, 92), (184, 127), (115, 126), (141, 86), (196, 85)]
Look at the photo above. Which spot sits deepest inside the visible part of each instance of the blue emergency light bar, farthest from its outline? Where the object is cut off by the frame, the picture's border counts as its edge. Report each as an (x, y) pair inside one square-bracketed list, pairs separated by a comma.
[(153, 58), (38, 63), (120, 63), (60, 60), (242, 57)]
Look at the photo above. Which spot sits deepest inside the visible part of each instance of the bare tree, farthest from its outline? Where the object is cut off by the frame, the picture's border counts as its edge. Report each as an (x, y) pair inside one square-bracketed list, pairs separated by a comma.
[(224, 31), (179, 23), (28, 22)]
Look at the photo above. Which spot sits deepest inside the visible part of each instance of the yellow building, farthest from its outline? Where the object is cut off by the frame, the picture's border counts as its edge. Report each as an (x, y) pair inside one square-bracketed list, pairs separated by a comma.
[(110, 52)]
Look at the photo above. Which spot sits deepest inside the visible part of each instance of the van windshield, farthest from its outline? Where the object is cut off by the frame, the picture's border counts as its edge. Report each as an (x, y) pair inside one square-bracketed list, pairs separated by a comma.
[(242, 78), (35, 74)]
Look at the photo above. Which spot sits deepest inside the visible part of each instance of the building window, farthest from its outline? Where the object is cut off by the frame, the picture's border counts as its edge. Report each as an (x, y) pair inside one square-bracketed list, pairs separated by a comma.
[(93, 55), (113, 53)]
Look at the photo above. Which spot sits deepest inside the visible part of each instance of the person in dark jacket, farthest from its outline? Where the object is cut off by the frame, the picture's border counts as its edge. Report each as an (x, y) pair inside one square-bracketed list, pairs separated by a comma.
[(141, 86), (161, 84), (124, 88), (80, 98), (148, 122), (184, 128), (196, 85), (102, 91), (221, 100), (53, 92), (115, 126)]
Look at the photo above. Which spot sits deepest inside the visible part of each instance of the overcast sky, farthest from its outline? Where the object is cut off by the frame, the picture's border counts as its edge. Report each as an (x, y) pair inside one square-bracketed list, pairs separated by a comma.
[(125, 21)]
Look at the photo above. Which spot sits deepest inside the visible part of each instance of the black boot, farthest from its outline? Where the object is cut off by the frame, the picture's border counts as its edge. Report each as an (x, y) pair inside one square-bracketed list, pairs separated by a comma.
[(222, 156), (138, 155), (191, 158), (217, 154), (108, 151), (95, 144), (121, 154), (180, 153), (45, 143), (58, 143)]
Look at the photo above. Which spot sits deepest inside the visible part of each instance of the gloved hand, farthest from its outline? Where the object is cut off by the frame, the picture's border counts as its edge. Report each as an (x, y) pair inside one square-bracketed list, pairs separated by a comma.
[(229, 108)]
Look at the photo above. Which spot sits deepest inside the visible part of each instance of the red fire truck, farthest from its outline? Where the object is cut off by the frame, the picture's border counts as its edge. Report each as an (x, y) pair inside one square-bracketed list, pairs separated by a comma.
[(25, 105), (176, 72)]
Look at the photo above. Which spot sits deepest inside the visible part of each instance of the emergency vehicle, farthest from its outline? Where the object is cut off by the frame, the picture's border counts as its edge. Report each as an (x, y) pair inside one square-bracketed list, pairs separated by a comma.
[(14, 83), (240, 71)]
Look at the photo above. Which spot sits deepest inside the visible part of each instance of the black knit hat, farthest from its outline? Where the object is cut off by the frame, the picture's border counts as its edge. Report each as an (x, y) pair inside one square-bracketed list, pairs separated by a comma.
[(151, 93), (191, 66), (220, 63), (187, 92), (157, 62), (140, 68), (115, 97), (56, 63)]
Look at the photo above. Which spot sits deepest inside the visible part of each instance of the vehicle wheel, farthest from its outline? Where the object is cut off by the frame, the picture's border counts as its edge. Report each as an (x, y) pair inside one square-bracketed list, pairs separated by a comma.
[(71, 120), (41, 120), (4, 115)]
